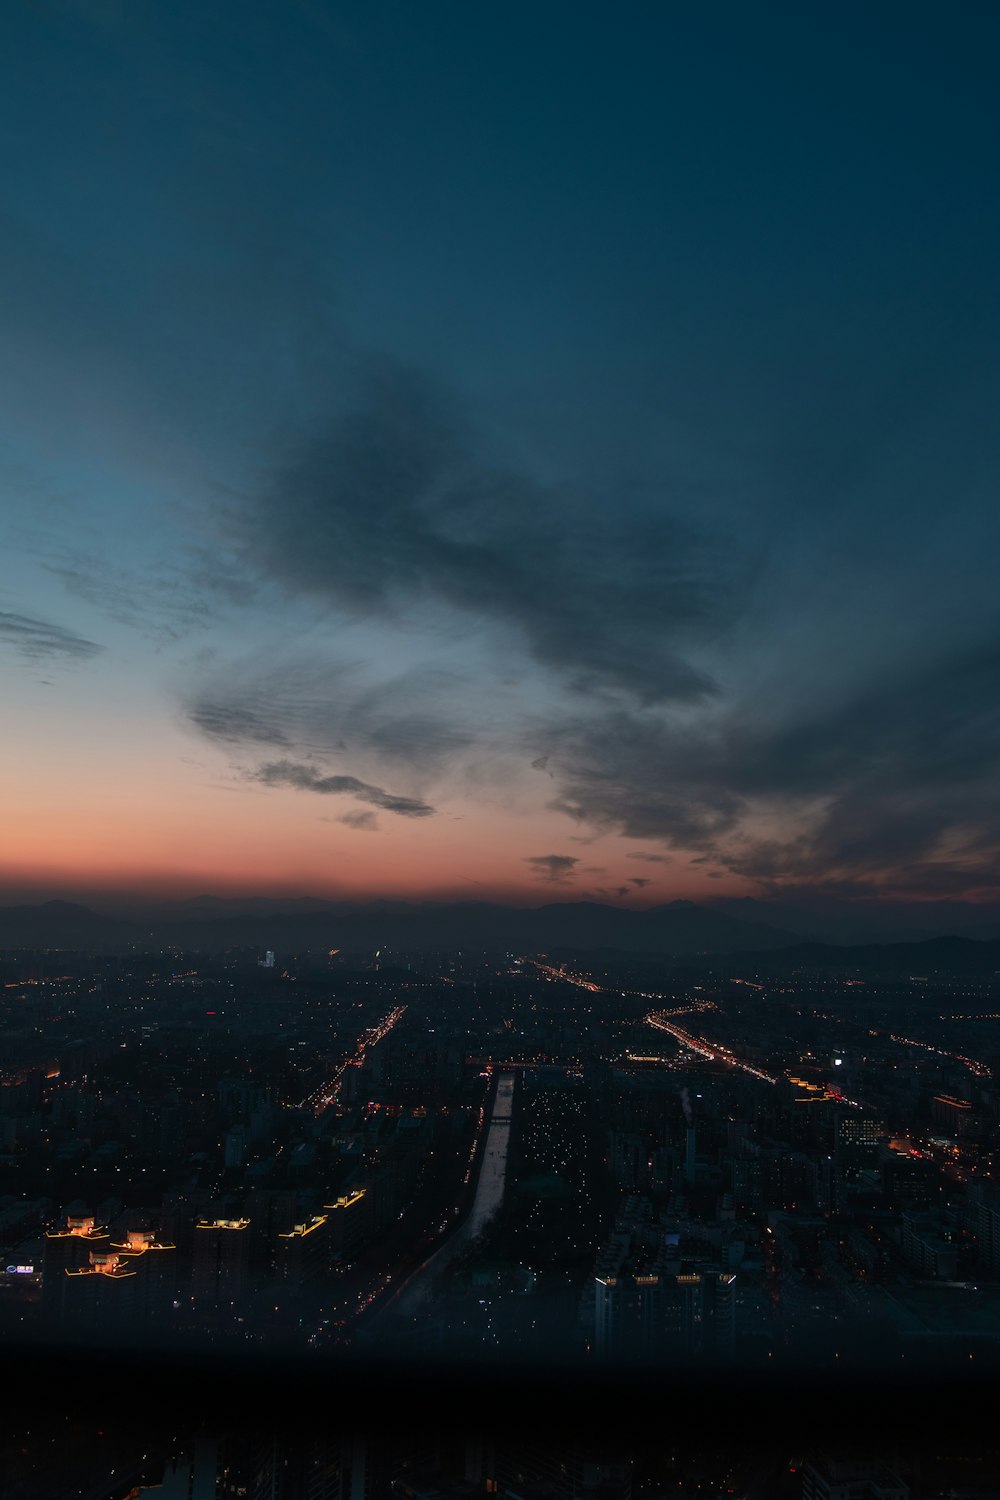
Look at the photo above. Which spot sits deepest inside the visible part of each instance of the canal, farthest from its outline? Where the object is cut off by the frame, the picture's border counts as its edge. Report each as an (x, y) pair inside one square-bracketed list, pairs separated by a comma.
[(485, 1205)]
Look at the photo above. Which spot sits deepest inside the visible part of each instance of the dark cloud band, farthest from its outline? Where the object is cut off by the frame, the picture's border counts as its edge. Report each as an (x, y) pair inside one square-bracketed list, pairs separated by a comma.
[(309, 779), (392, 505), (554, 867)]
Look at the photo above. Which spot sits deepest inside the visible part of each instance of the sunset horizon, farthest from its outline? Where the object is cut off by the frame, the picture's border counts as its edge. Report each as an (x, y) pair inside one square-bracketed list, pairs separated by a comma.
[(636, 539)]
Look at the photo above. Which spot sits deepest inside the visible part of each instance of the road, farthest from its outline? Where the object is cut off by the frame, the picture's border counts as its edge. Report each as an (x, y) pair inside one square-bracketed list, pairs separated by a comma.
[(700, 1046), (326, 1094), (711, 1051)]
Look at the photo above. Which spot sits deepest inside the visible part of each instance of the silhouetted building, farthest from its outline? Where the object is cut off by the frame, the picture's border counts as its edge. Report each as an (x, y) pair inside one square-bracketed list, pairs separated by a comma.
[(851, 1479), (564, 1471), (120, 1288), (349, 1222), (988, 1236), (221, 1261), (957, 1116), (68, 1249), (303, 1252)]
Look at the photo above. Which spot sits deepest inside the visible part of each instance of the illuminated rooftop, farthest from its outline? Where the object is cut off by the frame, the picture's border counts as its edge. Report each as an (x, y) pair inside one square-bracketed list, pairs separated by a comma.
[(77, 1228), (346, 1199), (103, 1263), (138, 1241), (301, 1230)]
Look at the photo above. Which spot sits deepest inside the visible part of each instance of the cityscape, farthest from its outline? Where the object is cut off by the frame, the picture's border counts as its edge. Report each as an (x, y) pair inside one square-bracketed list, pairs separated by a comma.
[(499, 750), (603, 1163)]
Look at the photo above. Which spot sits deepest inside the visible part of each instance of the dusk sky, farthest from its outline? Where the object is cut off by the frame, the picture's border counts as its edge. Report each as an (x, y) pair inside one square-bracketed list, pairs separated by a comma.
[(527, 451)]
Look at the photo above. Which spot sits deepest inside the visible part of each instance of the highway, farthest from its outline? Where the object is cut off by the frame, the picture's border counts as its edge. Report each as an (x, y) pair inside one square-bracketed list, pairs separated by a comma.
[(710, 1051), (327, 1092)]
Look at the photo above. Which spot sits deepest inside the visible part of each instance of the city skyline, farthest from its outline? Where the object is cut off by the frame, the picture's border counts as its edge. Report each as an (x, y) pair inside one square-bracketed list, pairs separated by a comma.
[(519, 458)]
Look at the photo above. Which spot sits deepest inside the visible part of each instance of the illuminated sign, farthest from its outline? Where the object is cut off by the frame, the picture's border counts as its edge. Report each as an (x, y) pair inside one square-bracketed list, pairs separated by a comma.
[(20, 1270)]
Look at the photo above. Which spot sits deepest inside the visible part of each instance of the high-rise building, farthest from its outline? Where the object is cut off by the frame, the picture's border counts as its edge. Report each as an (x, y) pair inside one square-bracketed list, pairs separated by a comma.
[(957, 1116), (154, 1262), (68, 1249), (235, 1147), (690, 1155), (564, 1471), (272, 1213), (120, 1288), (925, 1246), (988, 1236), (348, 1223), (652, 1307), (856, 1153), (339, 1466), (302, 1251), (190, 1474), (221, 1262), (836, 1478)]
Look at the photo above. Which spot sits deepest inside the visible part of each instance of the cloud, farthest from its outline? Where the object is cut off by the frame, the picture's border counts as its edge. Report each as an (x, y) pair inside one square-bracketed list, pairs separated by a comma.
[(367, 822), (410, 720), (641, 775), (168, 601), (392, 507), (236, 725), (870, 480), (38, 640), (865, 774), (638, 882), (893, 787), (310, 779), (901, 783), (557, 868)]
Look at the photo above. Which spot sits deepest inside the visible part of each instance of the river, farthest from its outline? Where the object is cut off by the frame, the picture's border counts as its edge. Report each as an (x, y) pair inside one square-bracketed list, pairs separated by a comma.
[(486, 1203)]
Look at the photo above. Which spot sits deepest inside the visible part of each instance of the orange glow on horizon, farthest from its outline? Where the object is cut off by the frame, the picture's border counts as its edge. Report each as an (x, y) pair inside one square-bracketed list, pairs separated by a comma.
[(165, 831)]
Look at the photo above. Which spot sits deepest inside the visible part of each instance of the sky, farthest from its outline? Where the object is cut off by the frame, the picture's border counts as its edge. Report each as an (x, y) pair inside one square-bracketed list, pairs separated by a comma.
[(524, 452)]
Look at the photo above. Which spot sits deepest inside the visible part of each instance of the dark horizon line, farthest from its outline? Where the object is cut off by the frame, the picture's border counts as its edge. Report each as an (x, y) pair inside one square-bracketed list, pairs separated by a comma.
[(100, 900)]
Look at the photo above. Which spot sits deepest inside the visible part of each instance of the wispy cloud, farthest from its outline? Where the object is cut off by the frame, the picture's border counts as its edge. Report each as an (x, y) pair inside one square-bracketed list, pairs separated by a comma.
[(306, 778), (168, 602), (323, 707), (39, 640), (236, 724)]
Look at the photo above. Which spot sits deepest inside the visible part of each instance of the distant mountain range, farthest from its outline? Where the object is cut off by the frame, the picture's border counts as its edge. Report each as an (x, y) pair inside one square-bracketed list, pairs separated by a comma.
[(680, 929), (857, 922), (937, 955), (211, 925)]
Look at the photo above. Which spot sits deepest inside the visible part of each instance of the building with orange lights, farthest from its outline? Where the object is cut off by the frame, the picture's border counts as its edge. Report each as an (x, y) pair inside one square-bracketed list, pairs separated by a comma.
[(220, 1273), (348, 1223), (120, 1286), (303, 1253)]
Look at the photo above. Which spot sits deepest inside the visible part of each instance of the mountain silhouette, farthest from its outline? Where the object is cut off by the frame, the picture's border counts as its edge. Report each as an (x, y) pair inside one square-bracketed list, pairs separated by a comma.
[(679, 927)]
